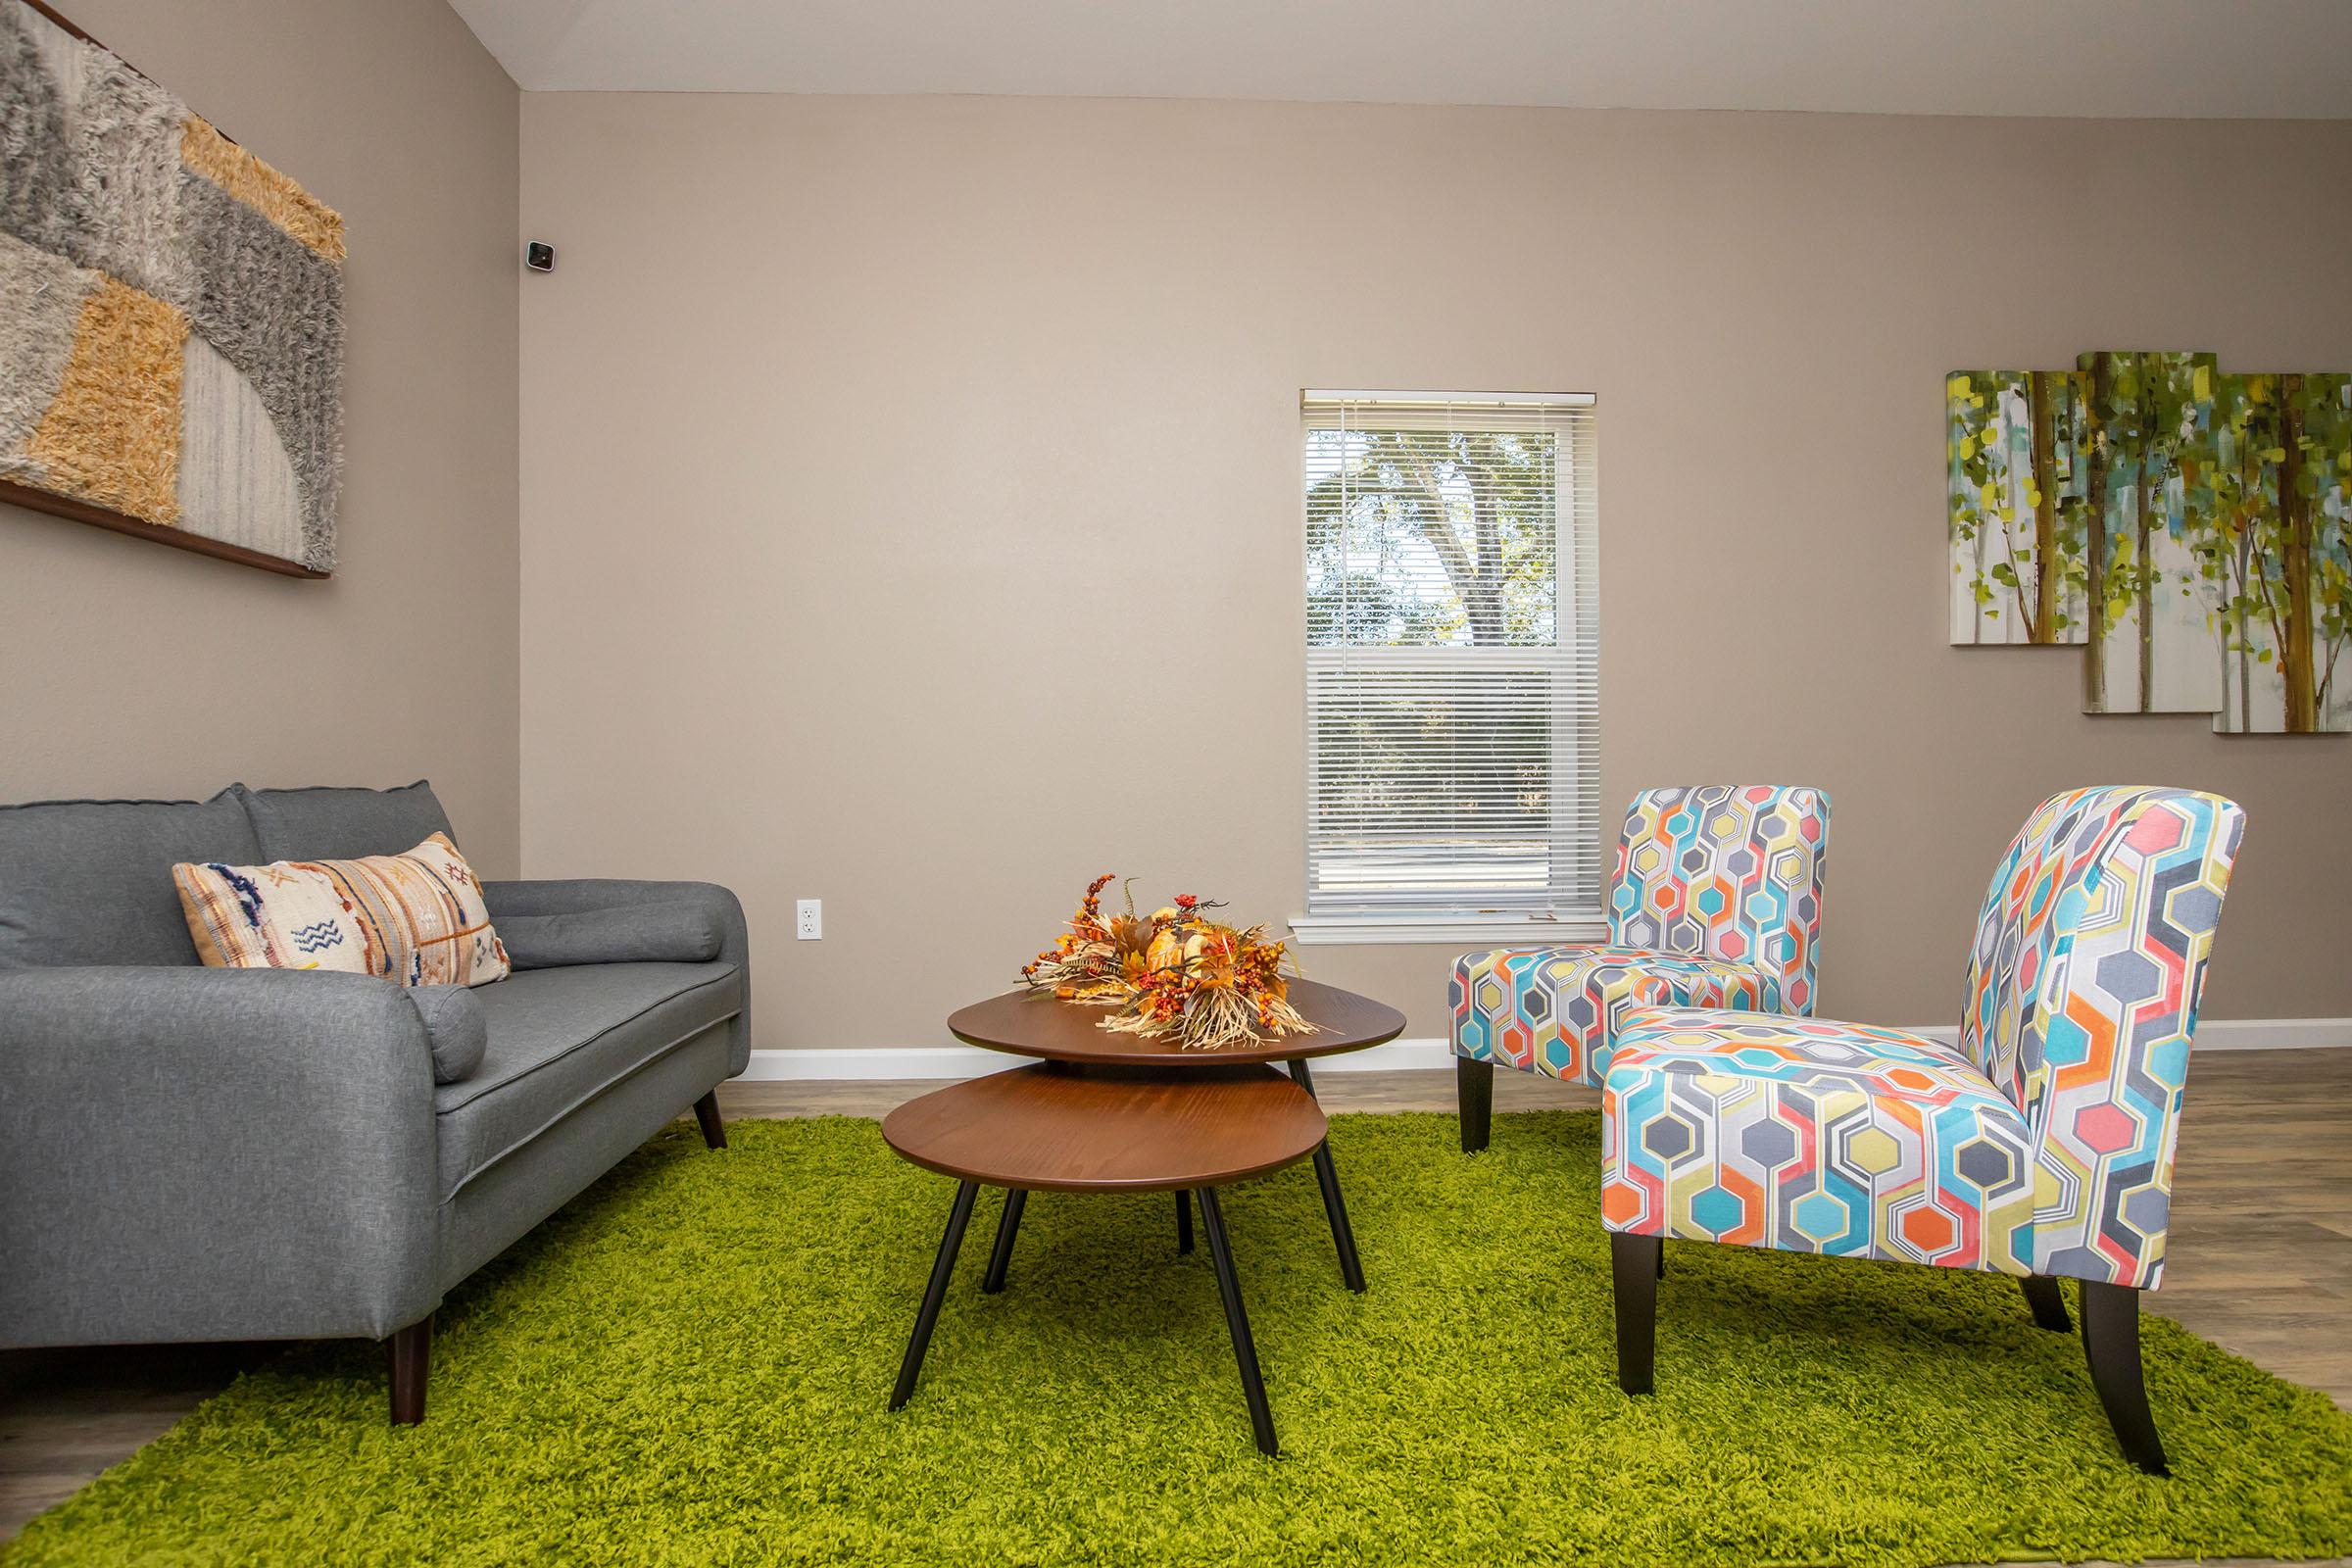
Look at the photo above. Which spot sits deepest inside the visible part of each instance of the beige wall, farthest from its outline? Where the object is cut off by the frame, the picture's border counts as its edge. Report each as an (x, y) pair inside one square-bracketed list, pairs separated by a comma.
[(911, 509), (136, 670)]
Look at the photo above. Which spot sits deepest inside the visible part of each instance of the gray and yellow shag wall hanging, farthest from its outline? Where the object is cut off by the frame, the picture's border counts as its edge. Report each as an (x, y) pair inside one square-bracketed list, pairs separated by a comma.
[(171, 315)]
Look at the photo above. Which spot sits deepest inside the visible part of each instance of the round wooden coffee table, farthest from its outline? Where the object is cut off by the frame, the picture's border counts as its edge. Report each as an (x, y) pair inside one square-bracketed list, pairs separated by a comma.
[(1035, 1024), (1054, 1128)]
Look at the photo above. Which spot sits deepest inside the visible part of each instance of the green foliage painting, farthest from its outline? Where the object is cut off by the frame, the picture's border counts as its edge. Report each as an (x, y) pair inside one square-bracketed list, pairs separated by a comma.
[(2190, 530), (2144, 424), (2017, 514), (2278, 546)]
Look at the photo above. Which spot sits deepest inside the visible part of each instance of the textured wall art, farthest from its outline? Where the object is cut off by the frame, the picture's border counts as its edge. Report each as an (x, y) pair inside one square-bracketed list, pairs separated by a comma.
[(170, 314), (2189, 530)]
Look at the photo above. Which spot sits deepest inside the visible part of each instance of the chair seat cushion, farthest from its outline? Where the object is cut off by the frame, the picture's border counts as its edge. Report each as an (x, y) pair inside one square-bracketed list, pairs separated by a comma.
[(1808, 1135), (1555, 1009), (558, 1038)]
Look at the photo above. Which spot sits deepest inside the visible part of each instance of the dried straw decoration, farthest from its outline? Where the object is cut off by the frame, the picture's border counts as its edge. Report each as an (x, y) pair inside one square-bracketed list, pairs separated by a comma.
[(1173, 973)]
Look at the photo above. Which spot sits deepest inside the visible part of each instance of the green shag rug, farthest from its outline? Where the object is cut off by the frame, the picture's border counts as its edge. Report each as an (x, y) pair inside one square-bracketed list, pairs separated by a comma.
[(690, 1365)]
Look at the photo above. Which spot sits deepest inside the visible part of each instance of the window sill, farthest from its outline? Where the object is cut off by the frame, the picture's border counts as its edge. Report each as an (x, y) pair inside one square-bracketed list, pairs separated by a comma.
[(1472, 930)]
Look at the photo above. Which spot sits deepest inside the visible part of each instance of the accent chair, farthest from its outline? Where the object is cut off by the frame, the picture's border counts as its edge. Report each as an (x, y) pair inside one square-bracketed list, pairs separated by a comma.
[(1716, 903), (2039, 1146)]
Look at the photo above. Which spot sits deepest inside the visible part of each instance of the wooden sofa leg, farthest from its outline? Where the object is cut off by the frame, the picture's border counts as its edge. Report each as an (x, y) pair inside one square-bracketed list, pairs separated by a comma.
[(705, 1112), (412, 1353), (2047, 1302), (1633, 1266), (2111, 1344), (1474, 1091)]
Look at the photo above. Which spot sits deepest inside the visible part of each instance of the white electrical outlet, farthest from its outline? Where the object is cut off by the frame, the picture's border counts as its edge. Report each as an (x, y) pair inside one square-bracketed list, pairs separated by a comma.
[(812, 915)]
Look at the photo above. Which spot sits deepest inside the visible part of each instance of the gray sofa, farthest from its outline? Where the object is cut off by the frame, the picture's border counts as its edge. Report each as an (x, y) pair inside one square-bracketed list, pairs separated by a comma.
[(194, 1154)]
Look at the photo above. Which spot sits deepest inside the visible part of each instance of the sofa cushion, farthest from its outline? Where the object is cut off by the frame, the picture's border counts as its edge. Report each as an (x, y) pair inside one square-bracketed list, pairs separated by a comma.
[(558, 1038), (677, 931), (459, 1033), (416, 919), (334, 824), (86, 882)]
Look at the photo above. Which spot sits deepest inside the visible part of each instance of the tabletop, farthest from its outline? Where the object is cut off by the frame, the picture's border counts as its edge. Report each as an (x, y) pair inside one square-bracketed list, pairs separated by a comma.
[(1047, 1128), (1040, 1024)]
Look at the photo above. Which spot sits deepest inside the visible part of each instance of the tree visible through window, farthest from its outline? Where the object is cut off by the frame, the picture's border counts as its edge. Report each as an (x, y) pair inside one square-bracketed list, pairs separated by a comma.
[(1450, 656)]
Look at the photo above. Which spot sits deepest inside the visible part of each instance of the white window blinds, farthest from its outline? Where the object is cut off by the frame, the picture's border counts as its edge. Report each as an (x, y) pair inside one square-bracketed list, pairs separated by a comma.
[(1451, 702)]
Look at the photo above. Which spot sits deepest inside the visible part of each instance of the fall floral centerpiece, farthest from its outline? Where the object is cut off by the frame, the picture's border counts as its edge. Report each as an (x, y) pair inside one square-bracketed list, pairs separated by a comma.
[(1172, 972)]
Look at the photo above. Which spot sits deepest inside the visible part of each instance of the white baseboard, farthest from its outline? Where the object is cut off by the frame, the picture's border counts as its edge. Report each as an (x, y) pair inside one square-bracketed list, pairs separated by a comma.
[(873, 1063), (2274, 1034), (2231, 1034)]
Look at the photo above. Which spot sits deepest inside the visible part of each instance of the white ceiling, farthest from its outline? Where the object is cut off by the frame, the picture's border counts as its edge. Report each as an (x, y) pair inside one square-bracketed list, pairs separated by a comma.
[(2232, 59)]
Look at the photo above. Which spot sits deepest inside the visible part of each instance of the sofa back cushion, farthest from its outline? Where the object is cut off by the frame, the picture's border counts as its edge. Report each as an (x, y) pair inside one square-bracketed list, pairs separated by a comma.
[(90, 881), (334, 824)]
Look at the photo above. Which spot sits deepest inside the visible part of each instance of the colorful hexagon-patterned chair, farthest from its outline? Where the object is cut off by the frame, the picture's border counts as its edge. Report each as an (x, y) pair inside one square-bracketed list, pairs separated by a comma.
[(2039, 1146), (1716, 903)]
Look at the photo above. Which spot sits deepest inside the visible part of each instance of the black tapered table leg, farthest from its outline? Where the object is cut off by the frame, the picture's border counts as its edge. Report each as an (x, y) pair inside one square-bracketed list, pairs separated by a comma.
[(2111, 1344), (1184, 1220), (1633, 1270), (1008, 1225), (936, 1292), (2048, 1303), (1334, 1207), (1237, 1320)]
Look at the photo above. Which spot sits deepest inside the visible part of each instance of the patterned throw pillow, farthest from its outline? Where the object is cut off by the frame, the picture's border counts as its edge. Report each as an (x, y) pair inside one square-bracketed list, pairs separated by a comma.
[(418, 918)]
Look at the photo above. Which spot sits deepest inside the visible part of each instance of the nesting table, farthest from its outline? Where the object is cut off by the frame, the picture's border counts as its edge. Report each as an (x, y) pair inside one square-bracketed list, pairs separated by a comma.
[(1116, 1113)]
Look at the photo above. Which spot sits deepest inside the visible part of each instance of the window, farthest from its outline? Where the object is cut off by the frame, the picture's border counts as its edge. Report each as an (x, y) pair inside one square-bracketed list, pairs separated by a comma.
[(1451, 705)]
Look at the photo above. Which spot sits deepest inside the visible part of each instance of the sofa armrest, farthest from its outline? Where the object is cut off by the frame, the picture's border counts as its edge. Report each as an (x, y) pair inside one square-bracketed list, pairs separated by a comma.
[(576, 896), (192, 1154)]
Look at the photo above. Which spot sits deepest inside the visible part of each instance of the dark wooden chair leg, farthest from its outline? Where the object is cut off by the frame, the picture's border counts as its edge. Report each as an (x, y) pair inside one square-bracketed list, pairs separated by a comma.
[(705, 1112), (1184, 1220), (411, 1352), (2111, 1344), (1633, 1266), (1008, 1226), (2047, 1302), (1474, 1088)]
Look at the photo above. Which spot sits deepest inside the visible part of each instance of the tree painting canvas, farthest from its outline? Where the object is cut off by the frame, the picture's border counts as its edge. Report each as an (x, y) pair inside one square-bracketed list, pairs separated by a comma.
[(2189, 531), (2014, 479), (2278, 546), (2143, 424)]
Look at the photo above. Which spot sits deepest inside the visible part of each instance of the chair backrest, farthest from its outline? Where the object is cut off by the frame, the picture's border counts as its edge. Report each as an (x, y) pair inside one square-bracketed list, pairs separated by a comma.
[(1725, 872), (2083, 991)]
